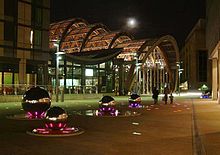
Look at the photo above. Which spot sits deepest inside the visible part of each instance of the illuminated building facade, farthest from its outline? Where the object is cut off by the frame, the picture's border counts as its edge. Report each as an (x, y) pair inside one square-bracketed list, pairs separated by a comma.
[(213, 43), (194, 57), (97, 59), (24, 51)]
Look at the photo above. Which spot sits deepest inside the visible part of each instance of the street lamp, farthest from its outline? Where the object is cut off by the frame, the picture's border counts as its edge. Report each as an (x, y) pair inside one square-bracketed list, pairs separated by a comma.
[(137, 70), (58, 53), (180, 71)]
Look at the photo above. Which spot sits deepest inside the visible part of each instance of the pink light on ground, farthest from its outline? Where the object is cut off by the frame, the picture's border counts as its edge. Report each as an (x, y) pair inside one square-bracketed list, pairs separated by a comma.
[(51, 125), (68, 131)]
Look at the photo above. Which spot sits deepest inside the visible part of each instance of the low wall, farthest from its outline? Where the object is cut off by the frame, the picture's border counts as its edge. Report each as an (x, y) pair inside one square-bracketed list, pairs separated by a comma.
[(18, 98), (10, 98), (78, 96)]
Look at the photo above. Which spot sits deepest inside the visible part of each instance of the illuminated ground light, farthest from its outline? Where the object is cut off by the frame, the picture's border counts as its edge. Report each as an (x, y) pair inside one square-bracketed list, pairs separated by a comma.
[(56, 125), (98, 113), (107, 108), (205, 96), (35, 102), (134, 101)]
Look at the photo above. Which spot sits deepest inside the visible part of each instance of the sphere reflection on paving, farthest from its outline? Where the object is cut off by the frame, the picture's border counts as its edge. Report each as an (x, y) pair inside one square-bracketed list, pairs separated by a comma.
[(56, 125), (107, 108), (35, 102), (134, 101), (56, 118)]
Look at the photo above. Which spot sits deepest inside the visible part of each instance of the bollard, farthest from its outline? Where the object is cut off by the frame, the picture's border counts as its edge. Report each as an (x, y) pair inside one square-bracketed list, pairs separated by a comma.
[(62, 95)]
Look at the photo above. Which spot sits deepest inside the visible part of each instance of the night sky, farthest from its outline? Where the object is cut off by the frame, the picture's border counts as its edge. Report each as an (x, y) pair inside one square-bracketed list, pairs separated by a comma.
[(155, 17)]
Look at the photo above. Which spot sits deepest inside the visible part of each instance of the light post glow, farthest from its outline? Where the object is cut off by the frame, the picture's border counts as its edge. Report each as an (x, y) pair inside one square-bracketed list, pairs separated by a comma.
[(31, 38), (58, 53), (180, 71)]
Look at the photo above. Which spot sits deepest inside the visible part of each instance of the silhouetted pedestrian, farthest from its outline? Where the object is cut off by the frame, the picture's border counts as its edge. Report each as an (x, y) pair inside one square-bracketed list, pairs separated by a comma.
[(171, 98), (165, 98), (155, 92)]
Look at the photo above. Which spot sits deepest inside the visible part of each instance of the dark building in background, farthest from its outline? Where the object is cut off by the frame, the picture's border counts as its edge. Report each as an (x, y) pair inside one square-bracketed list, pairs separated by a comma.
[(213, 42), (194, 56), (24, 52)]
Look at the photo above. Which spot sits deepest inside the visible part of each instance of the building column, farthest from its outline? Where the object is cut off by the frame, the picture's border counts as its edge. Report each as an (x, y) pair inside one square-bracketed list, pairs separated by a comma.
[(158, 77), (218, 77), (22, 71), (83, 79), (144, 79), (147, 80), (163, 77), (139, 80), (154, 76), (150, 80), (214, 79), (121, 79)]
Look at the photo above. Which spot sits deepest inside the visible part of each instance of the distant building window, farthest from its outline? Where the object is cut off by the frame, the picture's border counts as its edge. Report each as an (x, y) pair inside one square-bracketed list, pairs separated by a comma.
[(10, 8), (38, 2), (37, 39), (202, 59), (9, 31), (38, 16)]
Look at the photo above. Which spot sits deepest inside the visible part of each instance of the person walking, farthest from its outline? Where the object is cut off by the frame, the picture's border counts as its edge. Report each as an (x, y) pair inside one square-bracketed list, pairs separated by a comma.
[(155, 92), (171, 98), (165, 98)]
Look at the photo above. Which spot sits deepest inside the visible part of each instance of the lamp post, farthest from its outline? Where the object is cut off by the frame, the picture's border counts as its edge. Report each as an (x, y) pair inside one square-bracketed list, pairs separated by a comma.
[(137, 75), (179, 73), (58, 53)]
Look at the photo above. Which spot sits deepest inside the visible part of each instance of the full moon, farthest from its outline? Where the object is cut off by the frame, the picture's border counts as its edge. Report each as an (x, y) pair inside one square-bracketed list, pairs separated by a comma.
[(131, 23)]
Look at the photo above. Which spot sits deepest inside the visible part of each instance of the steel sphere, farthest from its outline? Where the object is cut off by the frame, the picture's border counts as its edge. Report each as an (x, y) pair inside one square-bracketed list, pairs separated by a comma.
[(56, 118), (107, 105), (135, 98), (107, 101), (36, 101)]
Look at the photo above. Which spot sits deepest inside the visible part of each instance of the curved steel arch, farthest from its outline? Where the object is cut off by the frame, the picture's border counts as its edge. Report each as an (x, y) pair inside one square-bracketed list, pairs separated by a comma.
[(65, 29), (163, 42), (68, 28), (106, 40), (118, 35), (60, 25), (84, 33), (94, 28)]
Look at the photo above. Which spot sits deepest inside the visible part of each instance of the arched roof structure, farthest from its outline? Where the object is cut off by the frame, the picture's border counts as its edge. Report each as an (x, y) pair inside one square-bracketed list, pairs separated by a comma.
[(90, 44), (75, 39), (59, 29)]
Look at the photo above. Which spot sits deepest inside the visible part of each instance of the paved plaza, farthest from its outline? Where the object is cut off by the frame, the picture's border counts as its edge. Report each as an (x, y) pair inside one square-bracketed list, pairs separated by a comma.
[(187, 127)]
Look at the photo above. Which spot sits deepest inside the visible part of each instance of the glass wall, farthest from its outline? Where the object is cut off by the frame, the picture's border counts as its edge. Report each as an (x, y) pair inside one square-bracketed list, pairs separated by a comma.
[(76, 78)]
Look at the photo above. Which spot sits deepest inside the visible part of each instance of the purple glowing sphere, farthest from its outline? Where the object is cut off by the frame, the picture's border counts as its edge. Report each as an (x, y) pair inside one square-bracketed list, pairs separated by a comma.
[(56, 118), (107, 105), (134, 101), (134, 98), (36, 101)]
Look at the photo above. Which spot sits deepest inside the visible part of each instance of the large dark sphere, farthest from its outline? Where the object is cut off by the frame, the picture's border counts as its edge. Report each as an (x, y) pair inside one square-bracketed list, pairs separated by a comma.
[(56, 118), (134, 98), (36, 101), (107, 104), (107, 101)]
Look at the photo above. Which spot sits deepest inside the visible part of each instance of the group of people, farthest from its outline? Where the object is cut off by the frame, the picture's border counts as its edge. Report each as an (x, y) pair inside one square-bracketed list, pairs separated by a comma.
[(155, 92)]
